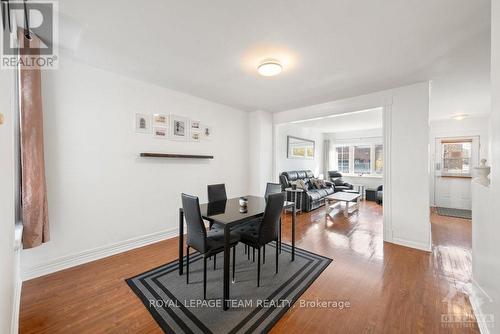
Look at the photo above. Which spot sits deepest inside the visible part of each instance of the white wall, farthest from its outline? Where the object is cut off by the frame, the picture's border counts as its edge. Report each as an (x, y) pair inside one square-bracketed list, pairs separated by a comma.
[(406, 195), (485, 225), (469, 127), (7, 212), (260, 152), (100, 191), (288, 164)]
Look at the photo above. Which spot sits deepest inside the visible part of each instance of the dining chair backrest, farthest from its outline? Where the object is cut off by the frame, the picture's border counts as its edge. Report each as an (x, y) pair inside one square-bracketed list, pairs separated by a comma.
[(268, 230), (217, 192), (272, 188), (196, 231)]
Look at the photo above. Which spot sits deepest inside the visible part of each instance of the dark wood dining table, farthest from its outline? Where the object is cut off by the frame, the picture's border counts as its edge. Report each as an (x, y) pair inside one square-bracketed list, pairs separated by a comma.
[(228, 214)]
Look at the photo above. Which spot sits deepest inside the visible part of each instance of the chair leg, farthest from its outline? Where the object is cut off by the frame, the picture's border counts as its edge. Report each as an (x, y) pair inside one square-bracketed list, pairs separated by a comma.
[(248, 252), (234, 261), (187, 265), (253, 255), (204, 277), (258, 268), (215, 261), (280, 236), (264, 255), (277, 253), (245, 249)]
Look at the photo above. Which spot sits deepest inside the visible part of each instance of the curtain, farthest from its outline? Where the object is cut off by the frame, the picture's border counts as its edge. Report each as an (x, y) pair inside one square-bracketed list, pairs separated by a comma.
[(33, 186), (326, 158)]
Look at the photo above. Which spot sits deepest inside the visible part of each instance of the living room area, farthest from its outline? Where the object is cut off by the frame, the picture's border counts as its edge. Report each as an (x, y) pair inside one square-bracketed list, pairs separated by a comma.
[(344, 152)]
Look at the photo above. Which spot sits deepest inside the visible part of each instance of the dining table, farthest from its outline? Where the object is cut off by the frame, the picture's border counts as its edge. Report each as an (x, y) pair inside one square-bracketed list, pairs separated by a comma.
[(229, 214)]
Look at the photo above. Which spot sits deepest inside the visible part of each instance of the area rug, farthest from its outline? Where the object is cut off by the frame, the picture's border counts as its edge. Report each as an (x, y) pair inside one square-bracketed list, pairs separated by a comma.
[(178, 307), (457, 213)]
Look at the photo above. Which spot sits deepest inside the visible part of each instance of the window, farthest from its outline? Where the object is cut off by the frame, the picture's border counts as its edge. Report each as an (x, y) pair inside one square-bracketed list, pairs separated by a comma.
[(457, 157), (343, 159), (362, 159), (379, 159)]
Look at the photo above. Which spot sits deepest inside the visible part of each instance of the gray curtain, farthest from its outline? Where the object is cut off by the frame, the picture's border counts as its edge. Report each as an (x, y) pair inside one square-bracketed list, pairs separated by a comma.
[(33, 185), (326, 157)]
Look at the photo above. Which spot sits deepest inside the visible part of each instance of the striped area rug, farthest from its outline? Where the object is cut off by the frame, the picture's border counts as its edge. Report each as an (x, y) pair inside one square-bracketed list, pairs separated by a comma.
[(178, 307)]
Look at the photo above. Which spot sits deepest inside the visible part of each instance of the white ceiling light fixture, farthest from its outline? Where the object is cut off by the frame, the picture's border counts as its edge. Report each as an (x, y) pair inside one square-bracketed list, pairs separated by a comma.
[(270, 67), (459, 117)]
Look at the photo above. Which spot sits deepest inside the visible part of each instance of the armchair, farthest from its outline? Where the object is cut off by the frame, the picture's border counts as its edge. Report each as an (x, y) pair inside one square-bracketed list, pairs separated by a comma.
[(339, 184)]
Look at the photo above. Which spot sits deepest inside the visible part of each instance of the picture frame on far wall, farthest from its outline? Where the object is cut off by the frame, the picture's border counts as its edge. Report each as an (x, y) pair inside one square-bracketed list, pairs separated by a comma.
[(142, 123), (206, 132), (160, 132), (195, 136), (300, 148), (195, 126), (179, 128), (160, 120)]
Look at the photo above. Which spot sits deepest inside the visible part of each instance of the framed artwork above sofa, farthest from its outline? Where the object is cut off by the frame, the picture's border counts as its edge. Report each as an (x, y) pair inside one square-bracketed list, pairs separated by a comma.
[(300, 148)]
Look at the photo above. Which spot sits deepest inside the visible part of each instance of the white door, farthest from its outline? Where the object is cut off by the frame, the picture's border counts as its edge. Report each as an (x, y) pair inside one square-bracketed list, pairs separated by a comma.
[(454, 160)]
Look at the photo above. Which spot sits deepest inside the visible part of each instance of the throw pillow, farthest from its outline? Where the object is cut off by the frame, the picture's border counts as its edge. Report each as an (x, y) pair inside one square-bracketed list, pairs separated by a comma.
[(302, 185), (315, 184)]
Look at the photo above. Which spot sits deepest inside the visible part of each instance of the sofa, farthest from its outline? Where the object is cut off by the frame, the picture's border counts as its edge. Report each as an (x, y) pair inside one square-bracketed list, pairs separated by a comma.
[(310, 199)]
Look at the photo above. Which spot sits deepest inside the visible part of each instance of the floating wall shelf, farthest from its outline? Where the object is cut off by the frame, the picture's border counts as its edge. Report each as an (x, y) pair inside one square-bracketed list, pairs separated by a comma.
[(176, 156)]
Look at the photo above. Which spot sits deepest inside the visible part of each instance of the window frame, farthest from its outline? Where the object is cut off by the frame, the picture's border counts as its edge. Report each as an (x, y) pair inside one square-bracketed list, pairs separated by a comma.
[(351, 148), (442, 158)]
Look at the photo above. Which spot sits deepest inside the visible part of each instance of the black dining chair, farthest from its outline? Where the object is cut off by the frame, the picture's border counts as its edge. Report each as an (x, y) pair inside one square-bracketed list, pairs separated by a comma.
[(217, 192), (259, 233), (272, 188), (207, 243)]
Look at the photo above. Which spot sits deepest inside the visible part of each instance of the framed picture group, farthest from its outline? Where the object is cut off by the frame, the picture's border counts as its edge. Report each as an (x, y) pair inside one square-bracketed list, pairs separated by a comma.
[(173, 127)]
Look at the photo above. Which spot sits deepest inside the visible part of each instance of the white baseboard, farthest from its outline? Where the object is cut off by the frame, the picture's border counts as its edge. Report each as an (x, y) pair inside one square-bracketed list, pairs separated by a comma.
[(18, 282), (412, 244), (15, 307), (478, 297), (76, 259)]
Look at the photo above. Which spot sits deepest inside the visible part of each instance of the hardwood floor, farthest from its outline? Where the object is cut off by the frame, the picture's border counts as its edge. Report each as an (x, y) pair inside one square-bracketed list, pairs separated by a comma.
[(391, 289)]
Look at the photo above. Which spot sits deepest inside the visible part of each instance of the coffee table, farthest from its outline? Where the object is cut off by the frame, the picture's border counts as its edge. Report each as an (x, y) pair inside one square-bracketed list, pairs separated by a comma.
[(334, 201)]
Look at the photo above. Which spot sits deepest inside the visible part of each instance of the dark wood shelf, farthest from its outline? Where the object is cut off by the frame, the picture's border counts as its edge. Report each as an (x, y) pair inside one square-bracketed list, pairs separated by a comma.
[(176, 156)]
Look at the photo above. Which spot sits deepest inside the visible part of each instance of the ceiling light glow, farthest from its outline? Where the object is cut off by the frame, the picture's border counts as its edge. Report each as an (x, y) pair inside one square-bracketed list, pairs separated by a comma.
[(459, 117), (270, 67)]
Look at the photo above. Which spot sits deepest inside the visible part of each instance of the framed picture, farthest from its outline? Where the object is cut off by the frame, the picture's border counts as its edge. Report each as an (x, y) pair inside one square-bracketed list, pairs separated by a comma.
[(299, 148), (195, 126), (206, 132), (142, 123), (179, 127), (160, 132), (195, 136), (160, 120)]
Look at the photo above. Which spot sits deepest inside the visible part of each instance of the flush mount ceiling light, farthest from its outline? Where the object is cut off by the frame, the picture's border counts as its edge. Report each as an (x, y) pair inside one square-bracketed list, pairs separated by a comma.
[(459, 117), (270, 67)]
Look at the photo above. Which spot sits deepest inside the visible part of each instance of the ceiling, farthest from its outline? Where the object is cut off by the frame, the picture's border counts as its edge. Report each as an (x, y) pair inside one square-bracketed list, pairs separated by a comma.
[(360, 120), (330, 49)]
